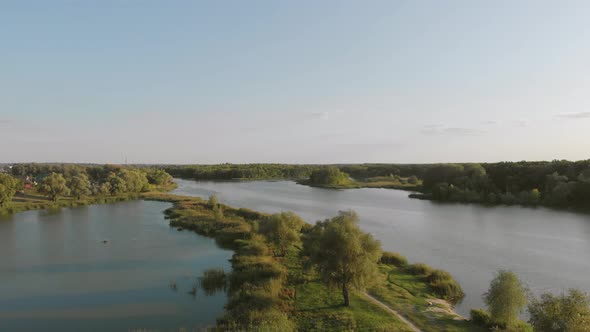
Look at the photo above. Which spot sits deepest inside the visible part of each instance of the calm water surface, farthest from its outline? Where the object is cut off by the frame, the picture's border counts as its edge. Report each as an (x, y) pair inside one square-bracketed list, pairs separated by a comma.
[(550, 250), (56, 274)]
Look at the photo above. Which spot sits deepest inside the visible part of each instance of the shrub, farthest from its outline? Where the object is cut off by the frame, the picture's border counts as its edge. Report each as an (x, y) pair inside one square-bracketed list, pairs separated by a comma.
[(449, 290), (393, 258), (255, 246), (420, 269), (213, 280), (441, 282), (522, 327), (248, 214), (569, 312), (480, 317), (439, 276)]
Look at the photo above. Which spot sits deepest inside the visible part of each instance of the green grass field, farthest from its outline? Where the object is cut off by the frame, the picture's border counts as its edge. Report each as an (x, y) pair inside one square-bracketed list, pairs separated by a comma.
[(410, 296), (319, 308)]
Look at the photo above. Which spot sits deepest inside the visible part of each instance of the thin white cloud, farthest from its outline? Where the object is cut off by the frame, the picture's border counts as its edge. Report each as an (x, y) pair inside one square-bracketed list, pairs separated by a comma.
[(578, 115), (318, 115), (463, 131), (489, 122), (433, 130), (373, 144)]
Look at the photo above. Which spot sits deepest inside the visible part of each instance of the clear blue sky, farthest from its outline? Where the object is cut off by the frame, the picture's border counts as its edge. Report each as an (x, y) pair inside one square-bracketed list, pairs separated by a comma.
[(294, 81)]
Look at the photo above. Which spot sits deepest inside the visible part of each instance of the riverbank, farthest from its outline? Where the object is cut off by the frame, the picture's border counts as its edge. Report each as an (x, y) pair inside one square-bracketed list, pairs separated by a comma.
[(30, 200), (266, 291)]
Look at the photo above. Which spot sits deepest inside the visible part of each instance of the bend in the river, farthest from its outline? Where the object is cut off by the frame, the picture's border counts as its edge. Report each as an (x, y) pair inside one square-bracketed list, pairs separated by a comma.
[(548, 249)]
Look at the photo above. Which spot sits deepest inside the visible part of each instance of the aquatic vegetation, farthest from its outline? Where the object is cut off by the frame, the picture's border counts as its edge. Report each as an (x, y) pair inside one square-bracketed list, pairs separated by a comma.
[(213, 281)]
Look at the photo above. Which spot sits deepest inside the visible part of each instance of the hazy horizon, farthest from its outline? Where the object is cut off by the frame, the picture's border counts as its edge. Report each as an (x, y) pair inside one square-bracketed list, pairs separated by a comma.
[(280, 163), (335, 82)]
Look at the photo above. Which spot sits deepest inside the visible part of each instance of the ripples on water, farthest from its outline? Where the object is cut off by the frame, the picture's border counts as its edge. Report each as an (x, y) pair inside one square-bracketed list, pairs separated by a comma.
[(57, 274)]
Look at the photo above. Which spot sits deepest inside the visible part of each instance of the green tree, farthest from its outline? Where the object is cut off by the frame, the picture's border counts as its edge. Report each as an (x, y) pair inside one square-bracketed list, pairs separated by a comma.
[(344, 255), (330, 176), (79, 185), (103, 189), (135, 180), (565, 313), (474, 170), (8, 187), (584, 176), (552, 180), (159, 177), (216, 207), (282, 230), (218, 212), (561, 194), (116, 184), (213, 201), (506, 298), (54, 185)]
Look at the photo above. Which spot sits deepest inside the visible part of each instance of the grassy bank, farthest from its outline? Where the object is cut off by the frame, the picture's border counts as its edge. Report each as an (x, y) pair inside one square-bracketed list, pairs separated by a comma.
[(410, 294), (31, 200), (275, 293)]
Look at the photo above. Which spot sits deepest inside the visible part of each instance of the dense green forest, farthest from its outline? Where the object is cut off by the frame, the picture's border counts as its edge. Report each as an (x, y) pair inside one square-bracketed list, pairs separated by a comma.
[(241, 171), (558, 183), (290, 171), (29, 186)]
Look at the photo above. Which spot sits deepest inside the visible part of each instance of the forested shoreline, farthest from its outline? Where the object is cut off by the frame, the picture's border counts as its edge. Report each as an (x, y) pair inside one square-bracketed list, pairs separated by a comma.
[(558, 183), (41, 186), (290, 275)]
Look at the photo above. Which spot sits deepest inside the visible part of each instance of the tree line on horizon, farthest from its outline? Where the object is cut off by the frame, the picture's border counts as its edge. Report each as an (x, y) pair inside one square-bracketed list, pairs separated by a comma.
[(559, 183), (556, 183), (78, 181)]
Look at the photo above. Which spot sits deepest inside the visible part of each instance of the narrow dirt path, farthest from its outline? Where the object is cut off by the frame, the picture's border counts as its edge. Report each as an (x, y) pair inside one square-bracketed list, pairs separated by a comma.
[(386, 307)]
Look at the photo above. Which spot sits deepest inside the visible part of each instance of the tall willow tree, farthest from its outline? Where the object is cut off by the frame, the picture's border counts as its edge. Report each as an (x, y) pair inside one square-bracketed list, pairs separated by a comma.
[(54, 186), (506, 298), (79, 185), (345, 256)]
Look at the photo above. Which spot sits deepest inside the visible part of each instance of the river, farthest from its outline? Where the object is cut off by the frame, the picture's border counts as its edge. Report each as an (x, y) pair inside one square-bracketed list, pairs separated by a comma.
[(548, 249), (58, 274)]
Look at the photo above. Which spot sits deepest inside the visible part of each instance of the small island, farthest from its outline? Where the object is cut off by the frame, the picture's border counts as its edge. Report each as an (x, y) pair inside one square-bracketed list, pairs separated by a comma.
[(331, 177)]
